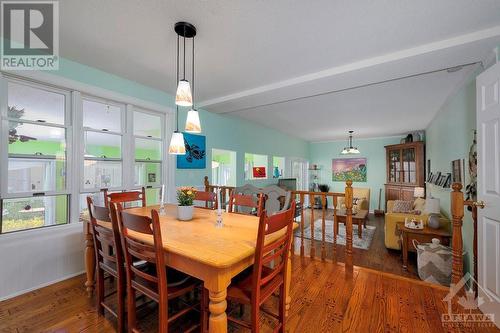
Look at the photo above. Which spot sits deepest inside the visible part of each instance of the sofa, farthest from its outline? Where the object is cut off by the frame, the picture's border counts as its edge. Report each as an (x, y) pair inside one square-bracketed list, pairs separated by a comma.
[(359, 194), (391, 219)]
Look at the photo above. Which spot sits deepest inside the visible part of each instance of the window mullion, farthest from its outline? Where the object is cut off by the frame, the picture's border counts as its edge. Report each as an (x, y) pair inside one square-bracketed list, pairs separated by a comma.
[(128, 148), (4, 139), (76, 180)]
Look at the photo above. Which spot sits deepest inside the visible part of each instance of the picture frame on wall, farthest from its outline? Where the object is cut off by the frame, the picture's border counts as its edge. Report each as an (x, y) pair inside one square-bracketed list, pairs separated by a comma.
[(447, 181), (435, 178), (429, 177)]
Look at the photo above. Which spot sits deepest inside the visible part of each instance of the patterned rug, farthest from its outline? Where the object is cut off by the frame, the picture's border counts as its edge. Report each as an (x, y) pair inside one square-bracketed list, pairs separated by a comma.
[(363, 243)]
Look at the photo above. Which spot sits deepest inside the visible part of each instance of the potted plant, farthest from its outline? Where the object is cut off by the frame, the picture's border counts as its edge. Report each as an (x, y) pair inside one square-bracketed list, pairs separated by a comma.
[(185, 197), (323, 188)]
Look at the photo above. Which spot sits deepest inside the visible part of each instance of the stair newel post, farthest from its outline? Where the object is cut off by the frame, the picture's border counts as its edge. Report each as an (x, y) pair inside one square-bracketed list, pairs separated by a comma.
[(348, 227), (335, 231), (207, 184), (457, 212), (323, 218), (302, 224)]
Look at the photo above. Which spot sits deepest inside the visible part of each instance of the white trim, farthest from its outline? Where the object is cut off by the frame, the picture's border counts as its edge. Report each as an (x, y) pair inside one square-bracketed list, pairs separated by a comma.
[(58, 81), (42, 285), (23, 235)]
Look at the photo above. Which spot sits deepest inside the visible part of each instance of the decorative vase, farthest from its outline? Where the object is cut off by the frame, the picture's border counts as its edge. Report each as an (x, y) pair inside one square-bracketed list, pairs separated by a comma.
[(185, 213), (433, 221)]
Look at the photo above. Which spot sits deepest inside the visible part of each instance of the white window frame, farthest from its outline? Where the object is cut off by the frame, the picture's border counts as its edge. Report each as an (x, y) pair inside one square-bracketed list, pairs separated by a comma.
[(74, 90), (4, 142)]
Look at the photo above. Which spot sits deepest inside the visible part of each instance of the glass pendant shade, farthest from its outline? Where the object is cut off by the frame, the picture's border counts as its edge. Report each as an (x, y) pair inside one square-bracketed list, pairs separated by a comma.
[(177, 144), (350, 149), (183, 96), (193, 122)]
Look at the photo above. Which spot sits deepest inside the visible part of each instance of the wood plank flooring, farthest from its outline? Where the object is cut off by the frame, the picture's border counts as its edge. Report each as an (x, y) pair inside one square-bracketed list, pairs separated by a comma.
[(325, 298), (377, 257)]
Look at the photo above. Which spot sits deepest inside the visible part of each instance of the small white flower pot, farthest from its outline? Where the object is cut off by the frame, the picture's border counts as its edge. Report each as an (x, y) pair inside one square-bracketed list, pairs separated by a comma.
[(185, 213)]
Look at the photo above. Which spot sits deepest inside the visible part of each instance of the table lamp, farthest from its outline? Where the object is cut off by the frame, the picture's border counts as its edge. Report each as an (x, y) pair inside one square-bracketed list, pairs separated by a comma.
[(433, 209)]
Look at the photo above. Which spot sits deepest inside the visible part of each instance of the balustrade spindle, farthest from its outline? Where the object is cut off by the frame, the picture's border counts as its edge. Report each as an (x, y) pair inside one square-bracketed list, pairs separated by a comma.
[(348, 224), (323, 208), (302, 224), (312, 251)]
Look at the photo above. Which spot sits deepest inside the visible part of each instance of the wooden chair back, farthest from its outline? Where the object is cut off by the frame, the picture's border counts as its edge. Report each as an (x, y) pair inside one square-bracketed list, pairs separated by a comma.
[(276, 252), (107, 242), (136, 250), (239, 201), (210, 199), (125, 197)]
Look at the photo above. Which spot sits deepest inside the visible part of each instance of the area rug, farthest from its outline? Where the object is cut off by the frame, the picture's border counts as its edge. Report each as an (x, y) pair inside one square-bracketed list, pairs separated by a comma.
[(363, 243)]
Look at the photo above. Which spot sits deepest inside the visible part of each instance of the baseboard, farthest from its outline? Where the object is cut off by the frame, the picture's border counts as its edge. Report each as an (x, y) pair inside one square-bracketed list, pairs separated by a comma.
[(19, 293)]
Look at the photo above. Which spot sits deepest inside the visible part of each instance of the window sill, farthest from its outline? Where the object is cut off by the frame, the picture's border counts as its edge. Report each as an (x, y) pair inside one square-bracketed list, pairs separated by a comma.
[(41, 232)]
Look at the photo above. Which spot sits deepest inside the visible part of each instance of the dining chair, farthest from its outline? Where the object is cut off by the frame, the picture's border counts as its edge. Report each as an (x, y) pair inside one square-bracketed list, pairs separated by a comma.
[(125, 197), (268, 272), (109, 259), (210, 199), (246, 204), (160, 284)]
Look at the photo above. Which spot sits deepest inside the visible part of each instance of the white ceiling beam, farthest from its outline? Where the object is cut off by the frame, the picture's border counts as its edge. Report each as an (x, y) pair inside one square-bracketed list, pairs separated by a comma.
[(362, 64)]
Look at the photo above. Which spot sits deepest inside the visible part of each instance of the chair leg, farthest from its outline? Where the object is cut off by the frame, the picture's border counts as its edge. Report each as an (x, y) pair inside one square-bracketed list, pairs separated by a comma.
[(255, 317), (100, 291), (121, 305), (131, 309), (204, 310), (282, 307), (163, 317)]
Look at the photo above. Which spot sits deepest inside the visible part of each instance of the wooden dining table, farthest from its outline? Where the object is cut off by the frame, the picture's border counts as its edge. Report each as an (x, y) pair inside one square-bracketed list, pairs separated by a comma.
[(212, 254)]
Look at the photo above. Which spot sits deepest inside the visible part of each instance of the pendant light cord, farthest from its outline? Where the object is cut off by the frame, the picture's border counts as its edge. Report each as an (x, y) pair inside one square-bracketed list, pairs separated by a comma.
[(176, 82), (184, 55), (192, 77)]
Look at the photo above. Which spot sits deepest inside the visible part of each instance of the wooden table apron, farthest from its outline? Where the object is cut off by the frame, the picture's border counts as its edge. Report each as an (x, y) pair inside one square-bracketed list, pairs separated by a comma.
[(198, 248)]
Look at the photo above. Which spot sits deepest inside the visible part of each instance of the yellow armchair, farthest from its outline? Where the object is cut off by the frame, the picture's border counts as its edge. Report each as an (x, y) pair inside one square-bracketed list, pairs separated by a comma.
[(391, 219)]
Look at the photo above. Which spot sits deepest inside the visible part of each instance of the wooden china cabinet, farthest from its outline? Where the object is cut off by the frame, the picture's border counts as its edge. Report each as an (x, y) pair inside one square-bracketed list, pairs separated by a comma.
[(405, 170)]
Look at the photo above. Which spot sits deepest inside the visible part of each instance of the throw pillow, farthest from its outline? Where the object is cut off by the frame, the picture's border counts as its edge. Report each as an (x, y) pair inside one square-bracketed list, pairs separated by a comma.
[(401, 206)]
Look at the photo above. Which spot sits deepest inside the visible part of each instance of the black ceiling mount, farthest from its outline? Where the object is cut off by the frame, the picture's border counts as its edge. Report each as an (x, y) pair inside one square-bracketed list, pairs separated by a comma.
[(185, 29)]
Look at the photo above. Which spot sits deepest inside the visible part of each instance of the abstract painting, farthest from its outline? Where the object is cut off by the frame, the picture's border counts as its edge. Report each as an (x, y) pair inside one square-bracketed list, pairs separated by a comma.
[(349, 168), (195, 157)]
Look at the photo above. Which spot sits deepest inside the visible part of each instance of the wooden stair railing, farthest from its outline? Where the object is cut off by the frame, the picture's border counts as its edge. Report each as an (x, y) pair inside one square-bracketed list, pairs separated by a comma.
[(457, 211), (300, 197)]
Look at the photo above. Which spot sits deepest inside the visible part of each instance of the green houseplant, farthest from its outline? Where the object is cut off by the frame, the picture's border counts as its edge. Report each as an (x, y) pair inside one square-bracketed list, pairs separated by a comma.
[(185, 198)]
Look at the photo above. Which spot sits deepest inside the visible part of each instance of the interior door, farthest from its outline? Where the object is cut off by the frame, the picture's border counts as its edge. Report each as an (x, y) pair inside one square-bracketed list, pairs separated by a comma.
[(488, 189)]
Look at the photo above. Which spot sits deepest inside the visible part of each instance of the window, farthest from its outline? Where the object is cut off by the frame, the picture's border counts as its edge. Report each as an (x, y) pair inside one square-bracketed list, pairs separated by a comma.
[(255, 166), (223, 167), (148, 148), (35, 193), (44, 179), (102, 139), (278, 167)]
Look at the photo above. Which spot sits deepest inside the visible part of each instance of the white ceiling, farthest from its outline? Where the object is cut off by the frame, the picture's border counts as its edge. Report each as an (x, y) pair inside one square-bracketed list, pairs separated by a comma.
[(259, 59)]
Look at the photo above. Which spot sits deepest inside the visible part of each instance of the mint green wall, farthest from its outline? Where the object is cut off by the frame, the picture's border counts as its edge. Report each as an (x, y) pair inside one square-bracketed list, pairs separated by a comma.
[(449, 137), (373, 149), (223, 132)]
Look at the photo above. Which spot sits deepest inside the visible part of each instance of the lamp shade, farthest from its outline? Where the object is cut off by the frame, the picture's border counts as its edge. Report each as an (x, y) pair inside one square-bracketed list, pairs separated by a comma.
[(183, 96), (419, 192), (193, 122), (177, 144), (432, 206)]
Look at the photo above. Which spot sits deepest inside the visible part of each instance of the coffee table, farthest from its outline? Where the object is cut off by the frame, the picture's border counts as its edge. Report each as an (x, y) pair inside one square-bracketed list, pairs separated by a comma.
[(359, 218)]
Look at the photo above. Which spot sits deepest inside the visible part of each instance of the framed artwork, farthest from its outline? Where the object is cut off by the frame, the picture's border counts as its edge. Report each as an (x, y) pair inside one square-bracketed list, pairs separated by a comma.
[(259, 172), (447, 181), (151, 177), (196, 156), (429, 177), (349, 168), (435, 178)]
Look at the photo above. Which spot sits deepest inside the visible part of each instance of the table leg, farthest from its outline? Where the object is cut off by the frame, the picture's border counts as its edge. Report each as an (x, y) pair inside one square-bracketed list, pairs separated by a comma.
[(288, 279), (217, 323), (89, 263), (360, 229), (405, 251)]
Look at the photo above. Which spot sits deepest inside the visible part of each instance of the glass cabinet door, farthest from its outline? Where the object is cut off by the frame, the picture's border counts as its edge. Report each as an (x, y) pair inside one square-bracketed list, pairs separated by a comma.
[(409, 166), (394, 166)]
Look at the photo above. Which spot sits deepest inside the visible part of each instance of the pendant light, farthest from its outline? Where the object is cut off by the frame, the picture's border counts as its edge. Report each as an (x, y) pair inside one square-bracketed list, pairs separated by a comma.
[(183, 95), (177, 146), (350, 149), (193, 118)]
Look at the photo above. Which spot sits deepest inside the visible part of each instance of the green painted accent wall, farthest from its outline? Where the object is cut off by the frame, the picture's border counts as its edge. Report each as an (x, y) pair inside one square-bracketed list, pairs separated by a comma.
[(373, 150), (449, 137), (222, 132)]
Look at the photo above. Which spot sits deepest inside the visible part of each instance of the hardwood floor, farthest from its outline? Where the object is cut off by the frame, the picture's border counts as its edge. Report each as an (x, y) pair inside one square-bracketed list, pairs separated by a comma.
[(377, 257), (325, 298)]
